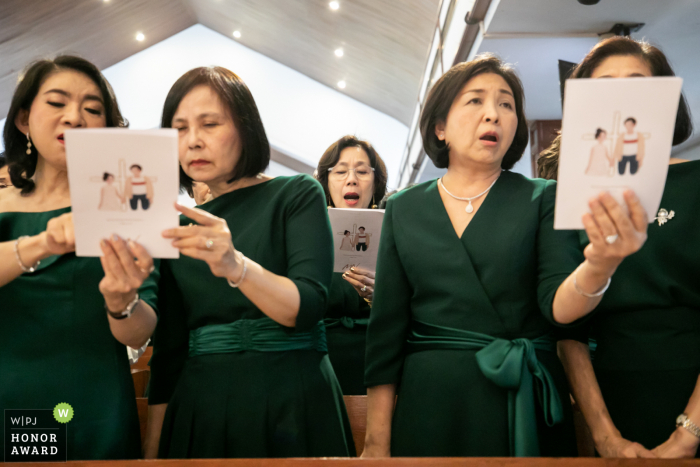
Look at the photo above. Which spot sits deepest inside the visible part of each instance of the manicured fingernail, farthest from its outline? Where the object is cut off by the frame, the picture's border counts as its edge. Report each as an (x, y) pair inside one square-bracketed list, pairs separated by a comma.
[(131, 244), (352, 269), (103, 242), (115, 238)]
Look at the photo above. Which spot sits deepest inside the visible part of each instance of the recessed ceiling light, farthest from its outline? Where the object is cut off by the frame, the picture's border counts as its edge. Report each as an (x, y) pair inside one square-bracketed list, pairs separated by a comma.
[(341, 84), (106, 1), (237, 34), (334, 5), (140, 37), (339, 52)]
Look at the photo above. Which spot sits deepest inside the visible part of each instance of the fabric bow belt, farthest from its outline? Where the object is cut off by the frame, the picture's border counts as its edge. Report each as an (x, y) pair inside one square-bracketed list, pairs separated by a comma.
[(512, 365), (346, 322), (261, 335)]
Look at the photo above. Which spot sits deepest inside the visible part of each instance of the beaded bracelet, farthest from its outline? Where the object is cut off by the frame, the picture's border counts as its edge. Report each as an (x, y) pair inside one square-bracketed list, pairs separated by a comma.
[(19, 260)]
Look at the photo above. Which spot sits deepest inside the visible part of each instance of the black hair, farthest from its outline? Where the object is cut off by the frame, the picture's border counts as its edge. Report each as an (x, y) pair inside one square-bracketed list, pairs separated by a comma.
[(630, 119), (346, 232), (548, 162), (22, 165), (598, 132), (445, 91), (362, 228), (106, 175), (3, 160), (137, 166), (237, 99), (332, 155)]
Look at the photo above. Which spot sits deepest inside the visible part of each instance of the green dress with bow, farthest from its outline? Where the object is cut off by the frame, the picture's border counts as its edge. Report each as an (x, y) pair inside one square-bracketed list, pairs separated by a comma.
[(56, 346), (237, 384), (346, 327), (464, 327)]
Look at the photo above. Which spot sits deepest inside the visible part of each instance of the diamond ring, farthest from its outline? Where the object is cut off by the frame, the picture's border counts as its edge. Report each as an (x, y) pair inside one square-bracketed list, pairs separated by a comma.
[(363, 289), (210, 243), (610, 239)]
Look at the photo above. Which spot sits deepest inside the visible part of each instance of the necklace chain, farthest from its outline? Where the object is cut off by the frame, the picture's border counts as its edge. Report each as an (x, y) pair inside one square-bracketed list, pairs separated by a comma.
[(469, 207)]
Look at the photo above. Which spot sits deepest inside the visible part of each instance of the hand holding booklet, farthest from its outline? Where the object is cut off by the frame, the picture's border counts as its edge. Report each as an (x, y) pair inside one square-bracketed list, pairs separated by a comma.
[(616, 136), (123, 182), (356, 235)]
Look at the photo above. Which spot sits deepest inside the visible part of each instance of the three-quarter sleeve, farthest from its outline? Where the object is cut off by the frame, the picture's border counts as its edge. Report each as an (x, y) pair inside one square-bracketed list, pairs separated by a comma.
[(148, 292), (390, 316), (309, 246), (558, 253), (170, 340)]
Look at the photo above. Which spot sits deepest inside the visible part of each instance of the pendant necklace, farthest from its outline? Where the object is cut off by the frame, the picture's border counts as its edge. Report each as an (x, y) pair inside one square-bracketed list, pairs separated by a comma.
[(469, 208)]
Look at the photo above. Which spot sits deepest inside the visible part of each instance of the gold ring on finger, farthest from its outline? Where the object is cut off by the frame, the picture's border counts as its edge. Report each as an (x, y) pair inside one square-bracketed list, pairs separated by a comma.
[(363, 289)]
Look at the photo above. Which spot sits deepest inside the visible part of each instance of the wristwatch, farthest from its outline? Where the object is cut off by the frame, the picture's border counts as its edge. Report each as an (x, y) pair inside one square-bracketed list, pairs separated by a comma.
[(127, 311), (685, 422)]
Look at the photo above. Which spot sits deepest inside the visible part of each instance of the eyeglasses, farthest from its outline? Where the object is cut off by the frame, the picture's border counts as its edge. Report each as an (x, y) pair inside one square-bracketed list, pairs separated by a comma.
[(362, 172)]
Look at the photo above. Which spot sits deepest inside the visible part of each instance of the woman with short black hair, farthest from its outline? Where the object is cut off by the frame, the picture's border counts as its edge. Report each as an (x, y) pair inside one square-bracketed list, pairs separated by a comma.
[(352, 176), (66, 320), (240, 365), (474, 280), (647, 328)]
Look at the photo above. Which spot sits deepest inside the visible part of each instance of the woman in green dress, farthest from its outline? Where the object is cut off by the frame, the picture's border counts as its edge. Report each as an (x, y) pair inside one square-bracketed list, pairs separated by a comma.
[(240, 365), (57, 344), (473, 279), (353, 176), (647, 328)]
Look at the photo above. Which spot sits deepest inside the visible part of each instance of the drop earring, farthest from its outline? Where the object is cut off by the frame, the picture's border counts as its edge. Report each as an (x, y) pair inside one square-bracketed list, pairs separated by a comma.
[(29, 145), (374, 206)]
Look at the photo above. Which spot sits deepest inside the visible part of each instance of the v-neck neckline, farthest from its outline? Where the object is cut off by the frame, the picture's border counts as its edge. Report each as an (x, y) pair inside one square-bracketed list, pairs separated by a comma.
[(476, 217)]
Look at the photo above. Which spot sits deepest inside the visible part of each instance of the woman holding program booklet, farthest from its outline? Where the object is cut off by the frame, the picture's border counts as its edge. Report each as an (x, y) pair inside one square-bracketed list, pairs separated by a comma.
[(641, 394), (57, 341), (240, 365), (353, 176), (473, 281)]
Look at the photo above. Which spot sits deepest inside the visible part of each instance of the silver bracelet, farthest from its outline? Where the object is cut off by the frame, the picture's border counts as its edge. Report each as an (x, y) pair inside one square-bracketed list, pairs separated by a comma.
[(127, 312), (590, 295), (245, 269), (19, 260)]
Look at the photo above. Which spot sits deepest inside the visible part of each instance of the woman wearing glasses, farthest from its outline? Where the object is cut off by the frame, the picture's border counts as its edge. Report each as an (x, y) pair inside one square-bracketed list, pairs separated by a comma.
[(353, 176)]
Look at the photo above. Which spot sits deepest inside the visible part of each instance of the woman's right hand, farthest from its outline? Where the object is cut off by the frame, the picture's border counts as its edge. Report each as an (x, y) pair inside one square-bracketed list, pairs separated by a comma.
[(617, 446), (59, 236)]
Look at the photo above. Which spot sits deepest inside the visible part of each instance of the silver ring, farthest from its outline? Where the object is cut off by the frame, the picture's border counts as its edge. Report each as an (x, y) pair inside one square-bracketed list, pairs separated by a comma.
[(363, 289), (209, 244), (610, 239)]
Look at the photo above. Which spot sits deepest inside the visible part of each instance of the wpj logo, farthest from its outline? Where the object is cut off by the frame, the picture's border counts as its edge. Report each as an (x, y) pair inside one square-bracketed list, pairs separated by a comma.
[(37, 435)]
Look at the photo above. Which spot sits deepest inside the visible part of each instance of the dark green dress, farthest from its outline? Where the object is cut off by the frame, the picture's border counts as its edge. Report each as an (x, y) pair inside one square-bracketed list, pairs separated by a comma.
[(251, 403), (56, 346), (499, 279), (647, 327), (346, 328)]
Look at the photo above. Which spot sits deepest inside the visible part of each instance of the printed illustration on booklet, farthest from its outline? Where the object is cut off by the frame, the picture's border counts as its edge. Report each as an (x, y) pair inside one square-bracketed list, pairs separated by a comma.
[(34, 436)]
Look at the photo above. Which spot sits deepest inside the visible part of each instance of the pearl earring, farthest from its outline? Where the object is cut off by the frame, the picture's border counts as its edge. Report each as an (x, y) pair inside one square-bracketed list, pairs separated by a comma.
[(29, 145)]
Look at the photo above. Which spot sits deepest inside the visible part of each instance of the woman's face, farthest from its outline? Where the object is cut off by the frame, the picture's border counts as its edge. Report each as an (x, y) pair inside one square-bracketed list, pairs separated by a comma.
[(481, 123), (209, 143), (67, 99), (622, 66), (602, 136), (110, 179), (351, 191)]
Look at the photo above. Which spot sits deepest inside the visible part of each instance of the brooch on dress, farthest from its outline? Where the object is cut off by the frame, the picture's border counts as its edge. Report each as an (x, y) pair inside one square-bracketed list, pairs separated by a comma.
[(664, 216)]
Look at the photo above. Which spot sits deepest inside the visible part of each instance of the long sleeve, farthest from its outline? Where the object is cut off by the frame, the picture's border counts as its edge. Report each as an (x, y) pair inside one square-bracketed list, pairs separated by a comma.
[(170, 340), (390, 316), (309, 246), (558, 253)]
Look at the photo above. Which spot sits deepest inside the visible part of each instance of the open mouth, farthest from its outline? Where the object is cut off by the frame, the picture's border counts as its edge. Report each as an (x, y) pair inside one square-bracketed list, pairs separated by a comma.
[(351, 198), (489, 136), (60, 138)]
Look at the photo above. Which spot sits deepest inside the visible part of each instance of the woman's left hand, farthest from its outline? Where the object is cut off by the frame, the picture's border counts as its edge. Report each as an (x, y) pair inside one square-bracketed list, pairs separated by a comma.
[(613, 233), (209, 241), (126, 266), (362, 280), (681, 444)]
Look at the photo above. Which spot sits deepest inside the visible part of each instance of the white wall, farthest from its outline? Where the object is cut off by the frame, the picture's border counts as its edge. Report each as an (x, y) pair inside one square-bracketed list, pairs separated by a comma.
[(301, 116)]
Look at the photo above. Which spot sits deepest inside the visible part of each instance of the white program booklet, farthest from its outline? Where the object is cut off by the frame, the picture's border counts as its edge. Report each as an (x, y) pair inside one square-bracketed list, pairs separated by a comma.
[(616, 135), (356, 235), (123, 182)]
